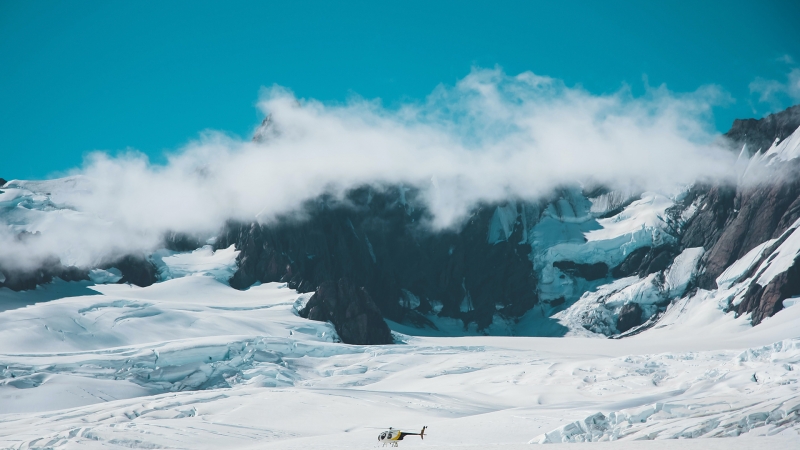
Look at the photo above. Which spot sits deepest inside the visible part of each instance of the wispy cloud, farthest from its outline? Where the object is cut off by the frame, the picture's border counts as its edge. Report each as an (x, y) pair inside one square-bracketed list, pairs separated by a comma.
[(775, 92), (490, 137)]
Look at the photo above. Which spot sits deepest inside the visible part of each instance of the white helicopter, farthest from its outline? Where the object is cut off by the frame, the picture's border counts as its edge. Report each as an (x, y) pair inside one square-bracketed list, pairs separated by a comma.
[(391, 437)]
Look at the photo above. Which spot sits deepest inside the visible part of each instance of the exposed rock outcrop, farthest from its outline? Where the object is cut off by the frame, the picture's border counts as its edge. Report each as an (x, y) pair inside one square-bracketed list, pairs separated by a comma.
[(23, 279), (760, 213), (589, 272), (645, 260), (181, 242), (759, 134), (629, 316), (136, 269), (351, 310), (377, 239), (764, 301), (19, 278), (714, 211)]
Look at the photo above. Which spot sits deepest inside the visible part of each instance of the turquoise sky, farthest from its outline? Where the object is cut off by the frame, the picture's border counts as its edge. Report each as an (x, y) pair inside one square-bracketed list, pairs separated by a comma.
[(82, 76)]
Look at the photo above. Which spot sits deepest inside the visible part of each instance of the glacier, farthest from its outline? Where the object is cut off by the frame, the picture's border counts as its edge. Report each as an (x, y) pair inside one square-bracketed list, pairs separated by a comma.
[(191, 363)]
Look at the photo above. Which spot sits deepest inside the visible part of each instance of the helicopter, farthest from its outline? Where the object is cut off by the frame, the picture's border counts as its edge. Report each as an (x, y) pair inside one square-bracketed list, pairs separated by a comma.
[(392, 436)]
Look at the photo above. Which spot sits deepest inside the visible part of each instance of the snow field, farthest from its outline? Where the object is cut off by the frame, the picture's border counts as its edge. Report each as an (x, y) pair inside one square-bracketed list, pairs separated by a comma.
[(175, 376)]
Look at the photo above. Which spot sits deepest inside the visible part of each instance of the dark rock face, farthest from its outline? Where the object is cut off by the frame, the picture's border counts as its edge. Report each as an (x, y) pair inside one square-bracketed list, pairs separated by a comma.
[(136, 269), (589, 272), (19, 280), (181, 242), (645, 260), (662, 257), (351, 310), (717, 207), (760, 134), (762, 215), (3, 182), (764, 301), (630, 265), (629, 316), (377, 241)]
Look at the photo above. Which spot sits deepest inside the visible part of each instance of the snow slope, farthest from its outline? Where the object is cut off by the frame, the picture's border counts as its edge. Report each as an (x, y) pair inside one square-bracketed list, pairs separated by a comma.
[(192, 363)]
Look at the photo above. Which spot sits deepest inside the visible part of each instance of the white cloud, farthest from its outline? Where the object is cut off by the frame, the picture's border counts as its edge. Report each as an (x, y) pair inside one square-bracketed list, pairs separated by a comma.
[(773, 91), (488, 138)]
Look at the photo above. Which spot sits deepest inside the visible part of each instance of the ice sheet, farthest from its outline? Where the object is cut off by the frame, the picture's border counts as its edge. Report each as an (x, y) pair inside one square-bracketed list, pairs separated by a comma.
[(192, 363)]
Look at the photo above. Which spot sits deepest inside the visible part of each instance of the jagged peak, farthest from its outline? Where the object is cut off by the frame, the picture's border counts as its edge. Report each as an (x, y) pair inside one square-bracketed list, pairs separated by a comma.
[(760, 134)]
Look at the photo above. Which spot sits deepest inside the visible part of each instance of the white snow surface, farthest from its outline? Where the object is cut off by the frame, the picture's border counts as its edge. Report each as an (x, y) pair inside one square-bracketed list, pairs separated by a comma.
[(739, 269), (682, 271), (785, 150), (192, 363), (570, 230), (220, 264), (782, 258)]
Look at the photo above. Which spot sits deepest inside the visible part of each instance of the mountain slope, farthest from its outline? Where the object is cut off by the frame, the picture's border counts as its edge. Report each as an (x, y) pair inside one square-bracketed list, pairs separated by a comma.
[(698, 286)]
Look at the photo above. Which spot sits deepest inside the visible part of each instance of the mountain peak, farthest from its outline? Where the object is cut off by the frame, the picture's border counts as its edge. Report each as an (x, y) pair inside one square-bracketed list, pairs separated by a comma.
[(759, 134)]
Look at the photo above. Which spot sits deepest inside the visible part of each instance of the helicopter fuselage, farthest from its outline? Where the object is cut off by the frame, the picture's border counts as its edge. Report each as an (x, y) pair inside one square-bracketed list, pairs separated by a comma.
[(391, 436)]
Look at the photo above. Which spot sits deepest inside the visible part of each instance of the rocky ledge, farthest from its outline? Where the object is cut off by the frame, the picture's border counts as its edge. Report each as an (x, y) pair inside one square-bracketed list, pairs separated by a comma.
[(351, 311)]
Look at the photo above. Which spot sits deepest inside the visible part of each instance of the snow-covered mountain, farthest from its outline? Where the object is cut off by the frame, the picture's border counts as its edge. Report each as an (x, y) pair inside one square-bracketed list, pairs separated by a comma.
[(242, 338), (585, 258)]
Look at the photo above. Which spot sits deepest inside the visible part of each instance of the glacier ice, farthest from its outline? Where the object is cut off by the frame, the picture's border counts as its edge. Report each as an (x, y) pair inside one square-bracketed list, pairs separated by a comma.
[(136, 366)]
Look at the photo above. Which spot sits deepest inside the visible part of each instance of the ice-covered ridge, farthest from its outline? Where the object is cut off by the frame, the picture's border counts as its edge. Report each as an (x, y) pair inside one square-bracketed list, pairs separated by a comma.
[(598, 310), (785, 150), (739, 269), (760, 266), (646, 214), (577, 235), (782, 258)]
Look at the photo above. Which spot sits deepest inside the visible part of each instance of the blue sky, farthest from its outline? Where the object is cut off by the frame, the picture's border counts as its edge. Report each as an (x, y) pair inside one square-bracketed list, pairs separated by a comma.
[(82, 76)]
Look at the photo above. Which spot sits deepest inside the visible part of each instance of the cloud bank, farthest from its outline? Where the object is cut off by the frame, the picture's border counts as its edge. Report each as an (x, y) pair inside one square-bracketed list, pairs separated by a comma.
[(489, 138)]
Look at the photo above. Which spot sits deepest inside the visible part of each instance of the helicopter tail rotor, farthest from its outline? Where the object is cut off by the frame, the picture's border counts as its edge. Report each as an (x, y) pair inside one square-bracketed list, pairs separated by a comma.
[(422, 433)]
